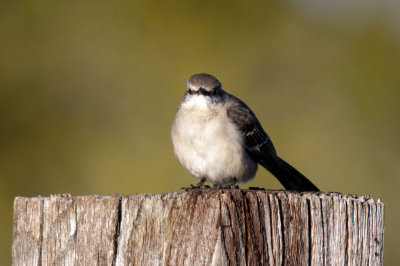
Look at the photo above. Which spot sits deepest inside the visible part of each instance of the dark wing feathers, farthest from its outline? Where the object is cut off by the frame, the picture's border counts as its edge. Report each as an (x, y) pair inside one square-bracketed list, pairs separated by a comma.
[(247, 122)]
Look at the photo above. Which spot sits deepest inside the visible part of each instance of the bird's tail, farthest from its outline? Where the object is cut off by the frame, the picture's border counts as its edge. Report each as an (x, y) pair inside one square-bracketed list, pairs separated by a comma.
[(289, 177)]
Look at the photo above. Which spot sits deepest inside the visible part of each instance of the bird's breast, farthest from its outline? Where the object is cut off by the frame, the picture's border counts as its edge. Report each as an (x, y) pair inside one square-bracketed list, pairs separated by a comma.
[(208, 144)]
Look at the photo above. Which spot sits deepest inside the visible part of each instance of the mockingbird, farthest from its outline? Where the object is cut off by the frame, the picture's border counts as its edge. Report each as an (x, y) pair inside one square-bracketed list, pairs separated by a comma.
[(216, 137)]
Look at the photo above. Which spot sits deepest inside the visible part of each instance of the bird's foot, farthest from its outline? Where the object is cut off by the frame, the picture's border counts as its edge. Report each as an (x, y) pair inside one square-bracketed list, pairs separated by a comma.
[(227, 186), (199, 185)]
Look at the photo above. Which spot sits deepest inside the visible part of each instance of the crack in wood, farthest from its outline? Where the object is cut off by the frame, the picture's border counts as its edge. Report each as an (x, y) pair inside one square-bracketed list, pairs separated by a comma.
[(310, 246), (323, 231), (117, 230)]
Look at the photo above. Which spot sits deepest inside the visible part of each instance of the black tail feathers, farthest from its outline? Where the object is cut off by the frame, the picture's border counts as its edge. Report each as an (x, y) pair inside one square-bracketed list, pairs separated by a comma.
[(289, 177)]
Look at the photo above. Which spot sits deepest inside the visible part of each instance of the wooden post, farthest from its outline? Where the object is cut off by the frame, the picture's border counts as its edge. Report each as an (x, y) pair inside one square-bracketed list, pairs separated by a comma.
[(199, 227)]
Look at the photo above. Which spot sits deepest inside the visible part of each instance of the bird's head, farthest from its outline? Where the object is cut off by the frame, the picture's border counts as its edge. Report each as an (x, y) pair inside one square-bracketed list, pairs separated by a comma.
[(203, 84)]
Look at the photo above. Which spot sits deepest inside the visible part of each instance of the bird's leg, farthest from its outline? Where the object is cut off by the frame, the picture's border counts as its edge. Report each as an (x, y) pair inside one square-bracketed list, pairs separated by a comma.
[(199, 185)]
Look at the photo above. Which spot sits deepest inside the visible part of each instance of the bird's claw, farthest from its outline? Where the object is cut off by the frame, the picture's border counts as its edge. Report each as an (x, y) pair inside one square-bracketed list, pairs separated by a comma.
[(227, 186), (199, 185)]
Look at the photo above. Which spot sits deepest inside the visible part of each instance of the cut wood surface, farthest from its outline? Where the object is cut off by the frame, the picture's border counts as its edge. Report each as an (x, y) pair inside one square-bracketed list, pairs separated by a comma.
[(199, 227)]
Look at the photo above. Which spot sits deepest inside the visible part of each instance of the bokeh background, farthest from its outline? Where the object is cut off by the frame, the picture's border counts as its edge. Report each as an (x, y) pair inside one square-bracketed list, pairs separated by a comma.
[(88, 91)]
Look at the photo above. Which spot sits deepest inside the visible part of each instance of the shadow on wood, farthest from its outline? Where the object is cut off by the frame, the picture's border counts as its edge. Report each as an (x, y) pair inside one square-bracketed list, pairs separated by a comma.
[(199, 227)]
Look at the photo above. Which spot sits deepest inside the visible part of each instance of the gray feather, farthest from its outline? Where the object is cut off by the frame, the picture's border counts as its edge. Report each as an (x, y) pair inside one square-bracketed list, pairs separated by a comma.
[(247, 122)]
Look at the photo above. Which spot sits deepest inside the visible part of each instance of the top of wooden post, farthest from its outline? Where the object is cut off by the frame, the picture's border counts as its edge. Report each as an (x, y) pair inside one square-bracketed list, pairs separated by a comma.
[(201, 226)]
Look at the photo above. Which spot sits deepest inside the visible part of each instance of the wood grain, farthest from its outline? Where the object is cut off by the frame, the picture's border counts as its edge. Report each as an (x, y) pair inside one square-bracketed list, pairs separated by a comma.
[(199, 227)]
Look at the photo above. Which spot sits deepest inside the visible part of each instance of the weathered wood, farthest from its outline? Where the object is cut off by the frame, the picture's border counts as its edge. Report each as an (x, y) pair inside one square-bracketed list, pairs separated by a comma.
[(199, 227)]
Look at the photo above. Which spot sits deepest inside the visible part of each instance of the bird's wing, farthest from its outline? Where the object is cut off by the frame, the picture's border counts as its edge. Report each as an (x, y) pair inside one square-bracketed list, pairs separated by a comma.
[(260, 147), (255, 136)]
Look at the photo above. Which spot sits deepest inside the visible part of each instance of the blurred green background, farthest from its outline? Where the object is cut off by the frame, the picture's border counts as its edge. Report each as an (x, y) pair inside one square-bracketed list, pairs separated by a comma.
[(89, 90)]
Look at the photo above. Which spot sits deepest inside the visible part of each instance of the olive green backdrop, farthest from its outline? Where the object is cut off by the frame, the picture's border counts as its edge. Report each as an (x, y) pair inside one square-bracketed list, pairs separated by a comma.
[(88, 91)]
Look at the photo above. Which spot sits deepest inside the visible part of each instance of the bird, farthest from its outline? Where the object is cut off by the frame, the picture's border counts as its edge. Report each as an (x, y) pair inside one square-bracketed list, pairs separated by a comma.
[(217, 138)]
